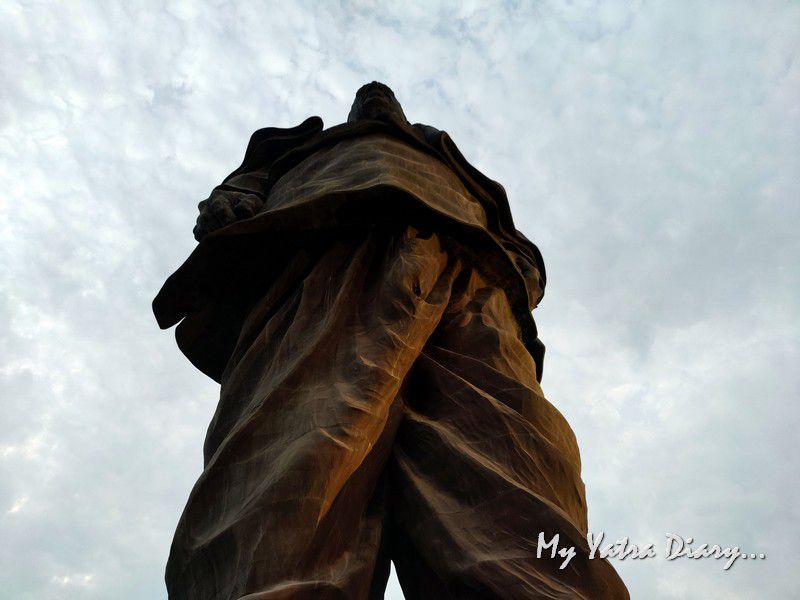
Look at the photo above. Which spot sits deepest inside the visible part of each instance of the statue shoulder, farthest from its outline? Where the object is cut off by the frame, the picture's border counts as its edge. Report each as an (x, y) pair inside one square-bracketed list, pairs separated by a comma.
[(430, 134), (266, 145)]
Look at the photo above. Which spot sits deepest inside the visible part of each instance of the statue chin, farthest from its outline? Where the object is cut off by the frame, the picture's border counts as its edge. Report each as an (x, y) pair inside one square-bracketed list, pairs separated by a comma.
[(371, 112), (379, 114)]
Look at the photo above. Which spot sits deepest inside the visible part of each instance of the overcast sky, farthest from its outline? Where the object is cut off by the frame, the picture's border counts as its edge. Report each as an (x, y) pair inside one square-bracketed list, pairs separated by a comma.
[(651, 149)]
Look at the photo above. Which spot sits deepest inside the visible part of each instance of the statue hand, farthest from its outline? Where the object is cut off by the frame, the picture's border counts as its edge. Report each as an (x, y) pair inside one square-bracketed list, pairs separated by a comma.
[(223, 208)]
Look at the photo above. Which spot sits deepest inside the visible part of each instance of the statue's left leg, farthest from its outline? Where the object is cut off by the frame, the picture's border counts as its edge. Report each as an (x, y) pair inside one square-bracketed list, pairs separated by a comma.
[(483, 464)]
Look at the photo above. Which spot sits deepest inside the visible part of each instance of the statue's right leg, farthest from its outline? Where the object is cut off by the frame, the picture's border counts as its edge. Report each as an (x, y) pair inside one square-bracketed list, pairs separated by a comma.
[(289, 504)]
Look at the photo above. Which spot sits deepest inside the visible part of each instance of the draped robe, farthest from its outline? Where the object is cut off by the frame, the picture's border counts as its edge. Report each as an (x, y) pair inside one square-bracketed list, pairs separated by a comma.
[(371, 330)]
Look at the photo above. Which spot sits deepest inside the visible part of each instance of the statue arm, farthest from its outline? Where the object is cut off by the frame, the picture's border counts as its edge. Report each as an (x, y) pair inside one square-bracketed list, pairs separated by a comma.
[(230, 201)]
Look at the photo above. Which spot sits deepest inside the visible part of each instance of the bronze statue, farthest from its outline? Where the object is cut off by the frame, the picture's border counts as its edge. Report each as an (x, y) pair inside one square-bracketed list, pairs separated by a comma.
[(364, 299)]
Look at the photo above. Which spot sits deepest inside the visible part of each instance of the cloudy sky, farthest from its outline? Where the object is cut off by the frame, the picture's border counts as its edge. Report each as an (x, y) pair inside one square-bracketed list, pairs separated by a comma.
[(651, 149)]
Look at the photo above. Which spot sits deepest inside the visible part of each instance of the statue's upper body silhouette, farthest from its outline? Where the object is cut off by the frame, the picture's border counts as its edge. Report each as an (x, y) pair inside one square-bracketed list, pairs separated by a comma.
[(364, 299)]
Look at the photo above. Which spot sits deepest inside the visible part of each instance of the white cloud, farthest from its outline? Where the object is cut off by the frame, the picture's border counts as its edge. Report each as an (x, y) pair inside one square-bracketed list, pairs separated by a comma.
[(651, 149)]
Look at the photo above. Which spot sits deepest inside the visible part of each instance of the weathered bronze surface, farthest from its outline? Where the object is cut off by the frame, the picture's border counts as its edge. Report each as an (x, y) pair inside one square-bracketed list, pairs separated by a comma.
[(364, 299)]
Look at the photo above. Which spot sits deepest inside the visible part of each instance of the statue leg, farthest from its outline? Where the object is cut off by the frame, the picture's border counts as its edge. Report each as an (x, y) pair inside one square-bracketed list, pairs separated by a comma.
[(482, 464), (290, 502)]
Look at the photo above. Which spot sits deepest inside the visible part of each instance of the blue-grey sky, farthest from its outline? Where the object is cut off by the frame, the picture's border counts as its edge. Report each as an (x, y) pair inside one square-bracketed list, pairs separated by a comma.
[(651, 149)]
